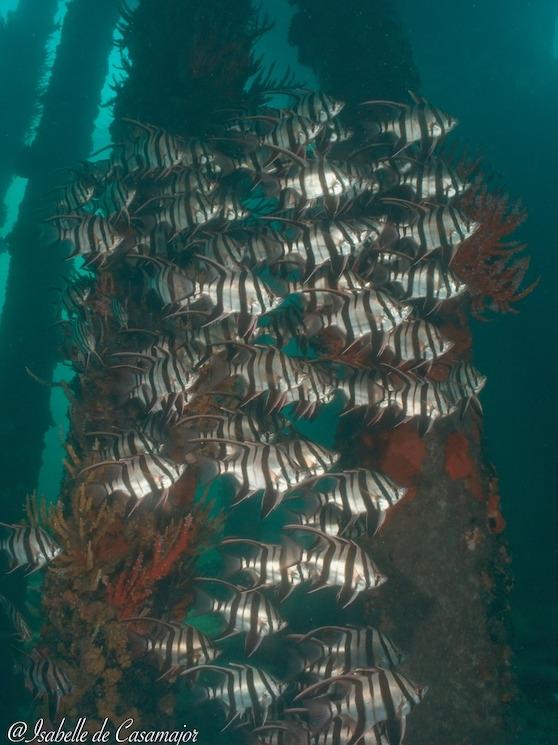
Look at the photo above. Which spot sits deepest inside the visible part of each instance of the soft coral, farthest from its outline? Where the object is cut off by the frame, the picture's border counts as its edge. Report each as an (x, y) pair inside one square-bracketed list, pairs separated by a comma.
[(489, 266)]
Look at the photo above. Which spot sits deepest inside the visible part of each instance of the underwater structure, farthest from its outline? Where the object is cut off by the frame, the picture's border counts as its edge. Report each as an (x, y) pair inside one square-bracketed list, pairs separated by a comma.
[(276, 525), (262, 309), (64, 132), (23, 36)]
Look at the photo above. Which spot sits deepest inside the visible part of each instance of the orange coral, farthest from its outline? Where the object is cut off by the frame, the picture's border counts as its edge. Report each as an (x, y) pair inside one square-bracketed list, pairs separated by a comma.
[(133, 586), (461, 464), (489, 266), (399, 453)]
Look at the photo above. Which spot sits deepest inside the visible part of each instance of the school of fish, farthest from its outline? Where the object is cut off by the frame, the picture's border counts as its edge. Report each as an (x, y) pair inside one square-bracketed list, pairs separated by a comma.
[(289, 262)]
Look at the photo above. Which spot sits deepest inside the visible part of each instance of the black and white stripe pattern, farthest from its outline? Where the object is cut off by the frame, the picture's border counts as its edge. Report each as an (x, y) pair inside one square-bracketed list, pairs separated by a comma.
[(267, 565), (248, 693), (187, 212), (17, 621), (346, 648), (140, 476), (362, 316), (167, 377), (355, 493), (245, 611), (176, 647), (367, 698), (92, 236), (44, 678), (441, 229), (114, 201), (168, 282), (152, 150), (420, 123), (28, 547), (290, 132), (430, 180), (317, 106), (424, 280), (127, 444), (258, 467), (73, 196), (416, 342), (336, 562), (238, 426), (417, 398), (266, 372), (463, 384)]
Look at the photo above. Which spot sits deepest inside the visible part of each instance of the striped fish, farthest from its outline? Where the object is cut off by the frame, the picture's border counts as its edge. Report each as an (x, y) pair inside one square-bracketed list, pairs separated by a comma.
[(239, 291), (161, 346), (356, 493), (28, 547), (73, 196), (76, 292), (266, 372), (168, 283), (230, 205), (346, 648), (318, 179), (439, 229), (45, 679), (187, 212), (329, 519), (325, 242), (127, 444), (365, 698), (235, 426), (267, 565), (363, 389), (310, 458), (416, 342), (362, 317), (82, 337), (243, 611), (418, 398), (16, 619), (425, 280), (247, 693), (224, 250), (290, 132), (260, 161), (337, 732), (92, 236), (420, 123), (317, 106), (463, 385), (176, 647), (168, 377), (189, 180), (114, 201), (264, 247), (257, 467), (219, 334), (140, 476), (153, 150), (336, 562), (198, 154), (428, 180)]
